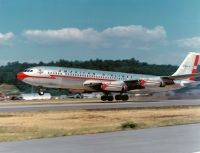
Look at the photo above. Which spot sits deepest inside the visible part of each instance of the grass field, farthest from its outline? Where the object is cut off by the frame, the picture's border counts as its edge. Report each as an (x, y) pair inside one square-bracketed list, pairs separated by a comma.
[(29, 125)]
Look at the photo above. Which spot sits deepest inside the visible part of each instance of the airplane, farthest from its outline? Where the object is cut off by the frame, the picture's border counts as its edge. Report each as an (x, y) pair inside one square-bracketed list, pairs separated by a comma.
[(107, 82)]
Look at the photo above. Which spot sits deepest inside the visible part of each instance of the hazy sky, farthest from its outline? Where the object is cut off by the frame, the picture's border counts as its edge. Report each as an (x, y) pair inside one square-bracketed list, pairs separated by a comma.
[(159, 31)]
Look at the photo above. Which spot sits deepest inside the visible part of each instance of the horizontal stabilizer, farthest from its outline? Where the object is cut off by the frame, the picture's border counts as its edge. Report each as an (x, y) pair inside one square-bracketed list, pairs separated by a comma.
[(180, 77)]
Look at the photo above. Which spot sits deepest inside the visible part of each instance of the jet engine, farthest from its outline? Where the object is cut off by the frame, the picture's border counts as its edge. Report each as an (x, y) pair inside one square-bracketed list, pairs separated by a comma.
[(151, 83), (114, 86)]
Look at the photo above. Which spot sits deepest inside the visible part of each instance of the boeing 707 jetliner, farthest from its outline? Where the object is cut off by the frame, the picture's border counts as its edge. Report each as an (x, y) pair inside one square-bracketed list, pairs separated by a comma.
[(84, 80)]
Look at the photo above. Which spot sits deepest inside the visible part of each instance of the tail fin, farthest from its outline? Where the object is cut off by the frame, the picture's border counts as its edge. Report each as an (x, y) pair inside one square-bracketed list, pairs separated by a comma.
[(189, 65)]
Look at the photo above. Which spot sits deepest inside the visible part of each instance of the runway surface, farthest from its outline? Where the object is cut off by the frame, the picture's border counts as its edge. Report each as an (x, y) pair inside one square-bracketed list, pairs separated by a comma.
[(176, 139), (113, 105)]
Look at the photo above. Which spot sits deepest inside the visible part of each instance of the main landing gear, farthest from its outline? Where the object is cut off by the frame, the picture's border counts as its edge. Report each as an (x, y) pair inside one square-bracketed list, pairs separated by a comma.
[(107, 97), (122, 97), (117, 97)]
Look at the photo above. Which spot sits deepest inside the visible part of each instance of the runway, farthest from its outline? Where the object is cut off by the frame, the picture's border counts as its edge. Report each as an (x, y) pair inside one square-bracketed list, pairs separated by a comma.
[(100, 105), (176, 139)]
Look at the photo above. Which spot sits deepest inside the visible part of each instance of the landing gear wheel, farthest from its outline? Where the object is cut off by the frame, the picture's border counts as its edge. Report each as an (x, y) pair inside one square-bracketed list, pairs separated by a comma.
[(103, 98), (110, 98), (125, 97), (41, 92), (118, 97)]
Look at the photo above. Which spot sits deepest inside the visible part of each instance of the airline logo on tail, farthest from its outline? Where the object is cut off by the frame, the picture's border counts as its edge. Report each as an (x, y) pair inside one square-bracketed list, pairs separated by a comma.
[(194, 70)]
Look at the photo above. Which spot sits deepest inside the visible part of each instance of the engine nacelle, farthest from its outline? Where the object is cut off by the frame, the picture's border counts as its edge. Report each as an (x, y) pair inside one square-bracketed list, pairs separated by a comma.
[(114, 86), (151, 83)]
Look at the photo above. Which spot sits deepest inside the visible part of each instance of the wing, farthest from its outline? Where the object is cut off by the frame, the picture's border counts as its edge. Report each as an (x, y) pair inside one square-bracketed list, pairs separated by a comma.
[(120, 86), (113, 86)]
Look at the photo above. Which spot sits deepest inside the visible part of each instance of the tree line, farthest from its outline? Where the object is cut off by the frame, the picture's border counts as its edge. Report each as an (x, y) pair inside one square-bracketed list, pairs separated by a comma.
[(8, 72)]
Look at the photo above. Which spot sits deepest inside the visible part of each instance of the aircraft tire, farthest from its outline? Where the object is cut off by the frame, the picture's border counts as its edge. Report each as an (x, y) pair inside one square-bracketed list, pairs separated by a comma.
[(125, 97), (118, 97), (110, 98), (103, 98), (41, 93)]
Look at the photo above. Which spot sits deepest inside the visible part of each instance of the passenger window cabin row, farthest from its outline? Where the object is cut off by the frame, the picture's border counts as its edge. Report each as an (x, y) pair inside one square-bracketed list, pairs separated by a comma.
[(92, 75)]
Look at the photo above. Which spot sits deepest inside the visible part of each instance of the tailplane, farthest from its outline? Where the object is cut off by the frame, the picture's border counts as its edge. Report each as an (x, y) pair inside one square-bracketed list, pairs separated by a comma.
[(189, 65)]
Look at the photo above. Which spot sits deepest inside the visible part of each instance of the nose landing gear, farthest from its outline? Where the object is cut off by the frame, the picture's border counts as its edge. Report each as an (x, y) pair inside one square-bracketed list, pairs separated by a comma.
[(41, 91)]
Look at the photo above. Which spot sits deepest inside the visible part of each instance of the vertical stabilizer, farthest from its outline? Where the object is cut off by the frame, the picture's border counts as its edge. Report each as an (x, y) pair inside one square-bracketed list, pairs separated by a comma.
[(189, 65)]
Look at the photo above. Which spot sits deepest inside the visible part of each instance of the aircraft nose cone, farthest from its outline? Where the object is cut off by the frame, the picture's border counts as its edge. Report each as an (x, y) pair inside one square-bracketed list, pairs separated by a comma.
[(21, 76)]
